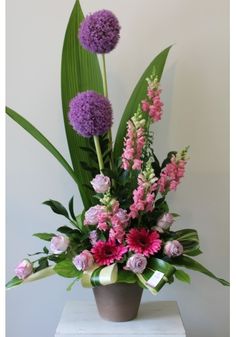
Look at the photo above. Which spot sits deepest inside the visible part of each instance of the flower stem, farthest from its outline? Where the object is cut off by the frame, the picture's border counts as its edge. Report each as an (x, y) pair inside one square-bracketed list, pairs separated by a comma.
[(105, 88), (99, 153), (104, 76)]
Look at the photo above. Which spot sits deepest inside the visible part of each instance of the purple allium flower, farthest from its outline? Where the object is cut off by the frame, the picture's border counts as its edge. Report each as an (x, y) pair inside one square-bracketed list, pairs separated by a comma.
[(99, 32), (90, 114)]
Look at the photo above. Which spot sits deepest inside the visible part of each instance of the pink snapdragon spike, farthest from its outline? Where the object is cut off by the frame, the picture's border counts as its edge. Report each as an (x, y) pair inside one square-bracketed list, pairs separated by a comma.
[(134, 142), (173, 172), (153, 104), (144, 196)]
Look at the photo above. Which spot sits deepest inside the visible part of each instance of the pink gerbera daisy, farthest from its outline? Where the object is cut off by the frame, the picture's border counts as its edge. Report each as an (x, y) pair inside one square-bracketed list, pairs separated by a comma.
[(106, 252), (143, 241)]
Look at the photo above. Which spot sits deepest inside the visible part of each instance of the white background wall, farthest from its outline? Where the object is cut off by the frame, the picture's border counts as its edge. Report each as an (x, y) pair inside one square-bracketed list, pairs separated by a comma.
[(196, 94)]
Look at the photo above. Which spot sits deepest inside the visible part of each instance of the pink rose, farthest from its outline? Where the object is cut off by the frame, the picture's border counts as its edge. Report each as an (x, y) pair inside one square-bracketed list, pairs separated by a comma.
[(84, 260), (101, 183), (136, 263), (120, 218), (24, 269), (59, 244), (92, 215), (173, 248), (164, 222)]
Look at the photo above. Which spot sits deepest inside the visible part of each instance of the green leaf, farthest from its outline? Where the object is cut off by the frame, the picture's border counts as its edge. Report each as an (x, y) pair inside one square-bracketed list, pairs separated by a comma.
[(15, 281), (67, 269), (189, 263), (71, 208), (57, 207), (137, 96), (79, 72), (126, 277), (65, 230), (45, 249), (195, 251), (42, 264), (182, 276), (44, 236), (42, 140)]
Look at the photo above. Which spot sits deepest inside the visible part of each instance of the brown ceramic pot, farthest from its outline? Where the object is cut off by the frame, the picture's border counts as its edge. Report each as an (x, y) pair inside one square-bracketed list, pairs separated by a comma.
[(118, 302)]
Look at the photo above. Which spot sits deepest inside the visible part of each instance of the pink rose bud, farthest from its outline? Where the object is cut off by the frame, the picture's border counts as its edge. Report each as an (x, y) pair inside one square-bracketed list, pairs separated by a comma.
[(59, 244), (173, 248), (164, 222), (24, 269), (101, 183), (84, 260), (136, 263), (92, 215)]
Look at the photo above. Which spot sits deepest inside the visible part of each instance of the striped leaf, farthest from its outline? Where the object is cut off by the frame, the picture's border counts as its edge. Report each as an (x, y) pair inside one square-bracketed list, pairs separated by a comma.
[(79, 72), (137, 96)]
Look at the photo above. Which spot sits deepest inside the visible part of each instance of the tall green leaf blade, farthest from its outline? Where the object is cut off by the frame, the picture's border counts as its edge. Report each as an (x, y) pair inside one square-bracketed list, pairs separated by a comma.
[(137, 96), (41, 139), (79, 72)]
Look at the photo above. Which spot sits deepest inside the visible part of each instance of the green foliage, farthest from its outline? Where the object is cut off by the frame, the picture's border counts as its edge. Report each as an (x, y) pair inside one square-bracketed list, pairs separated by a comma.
[(79, 72), (125, 276), (137, 96), (67, 269), (15, 281), (189, 263), (188, 238), (71, 208), (44, 236), (182, 276), (57, 208)]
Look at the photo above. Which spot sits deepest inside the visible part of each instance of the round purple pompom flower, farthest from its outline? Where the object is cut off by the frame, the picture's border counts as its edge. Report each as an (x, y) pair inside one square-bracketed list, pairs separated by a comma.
[(99, 32), (90, 114)]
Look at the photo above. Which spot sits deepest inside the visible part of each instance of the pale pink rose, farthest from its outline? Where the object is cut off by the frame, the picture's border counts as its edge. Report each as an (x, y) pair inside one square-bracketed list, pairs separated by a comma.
[(92, 215), (164, 222), (101, 183), (24, 269), (120, 218), (84, 260), (136, 263), (173, 248), (59, 244)]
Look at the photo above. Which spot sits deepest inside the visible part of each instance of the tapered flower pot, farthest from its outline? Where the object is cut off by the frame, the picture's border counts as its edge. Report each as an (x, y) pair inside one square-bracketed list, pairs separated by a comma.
[(118, 302)]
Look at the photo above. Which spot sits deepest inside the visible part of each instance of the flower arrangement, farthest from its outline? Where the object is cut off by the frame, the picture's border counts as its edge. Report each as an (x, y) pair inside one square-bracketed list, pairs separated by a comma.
[(126, 233)]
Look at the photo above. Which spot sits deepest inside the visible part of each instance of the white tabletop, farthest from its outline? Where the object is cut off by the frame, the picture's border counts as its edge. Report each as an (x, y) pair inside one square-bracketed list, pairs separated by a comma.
[(155, 319)]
